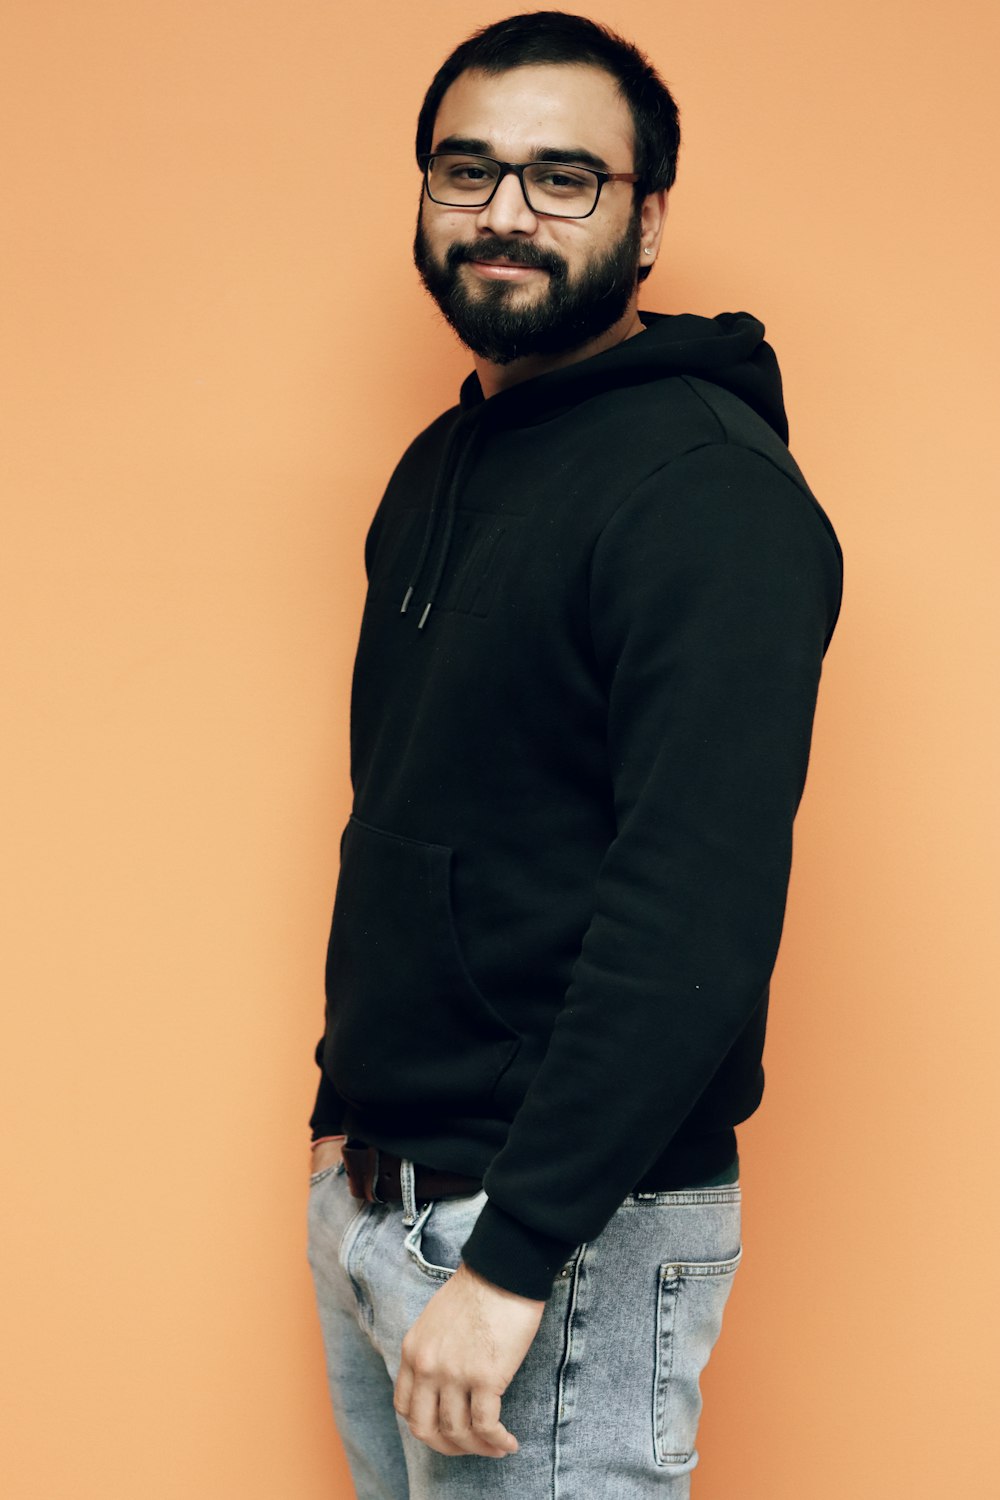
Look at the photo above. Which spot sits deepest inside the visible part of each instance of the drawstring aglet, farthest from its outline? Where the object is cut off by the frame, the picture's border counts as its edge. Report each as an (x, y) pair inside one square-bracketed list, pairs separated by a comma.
[(423, 617), (406, 599)]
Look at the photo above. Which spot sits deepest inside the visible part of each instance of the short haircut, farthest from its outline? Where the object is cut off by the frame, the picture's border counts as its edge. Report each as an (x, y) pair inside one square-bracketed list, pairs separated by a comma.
[(552, 36)]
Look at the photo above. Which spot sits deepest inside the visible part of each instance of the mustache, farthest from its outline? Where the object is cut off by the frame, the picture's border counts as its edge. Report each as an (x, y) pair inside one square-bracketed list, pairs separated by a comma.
[(516, 252)]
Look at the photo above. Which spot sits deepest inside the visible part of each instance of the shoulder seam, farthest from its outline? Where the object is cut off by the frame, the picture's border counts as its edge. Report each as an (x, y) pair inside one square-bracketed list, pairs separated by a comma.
[(685, 380), (802, 488)]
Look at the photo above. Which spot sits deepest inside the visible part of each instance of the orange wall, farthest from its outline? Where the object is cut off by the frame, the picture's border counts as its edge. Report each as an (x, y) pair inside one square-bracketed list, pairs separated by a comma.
[(215, 350)]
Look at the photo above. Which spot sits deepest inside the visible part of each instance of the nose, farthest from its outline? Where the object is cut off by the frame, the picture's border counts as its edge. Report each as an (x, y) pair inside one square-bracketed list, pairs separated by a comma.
[(507, 211)]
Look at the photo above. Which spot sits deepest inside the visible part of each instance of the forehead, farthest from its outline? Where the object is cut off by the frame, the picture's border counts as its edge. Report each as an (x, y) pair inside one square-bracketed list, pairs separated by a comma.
[(533, 108)]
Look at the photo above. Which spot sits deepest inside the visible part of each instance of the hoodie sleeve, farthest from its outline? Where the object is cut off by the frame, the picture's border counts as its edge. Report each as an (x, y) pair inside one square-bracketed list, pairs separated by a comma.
[(714, 591), (327, 1117), (328, 1111)]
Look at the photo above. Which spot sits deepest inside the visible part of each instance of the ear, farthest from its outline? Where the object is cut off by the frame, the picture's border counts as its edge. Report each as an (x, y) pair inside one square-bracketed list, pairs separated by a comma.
[(652, 221)]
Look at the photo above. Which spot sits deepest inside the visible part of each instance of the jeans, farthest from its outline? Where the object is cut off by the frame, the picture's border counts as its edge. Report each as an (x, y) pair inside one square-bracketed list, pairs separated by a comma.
[(606, 1402)]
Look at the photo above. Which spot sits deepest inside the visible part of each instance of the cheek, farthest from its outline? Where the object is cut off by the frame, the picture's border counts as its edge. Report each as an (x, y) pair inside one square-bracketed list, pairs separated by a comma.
[(573, 244), (444, 229)]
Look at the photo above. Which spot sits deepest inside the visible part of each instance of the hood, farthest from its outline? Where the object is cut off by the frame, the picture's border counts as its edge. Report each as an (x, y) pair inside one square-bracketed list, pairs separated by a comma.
[(729, 350)]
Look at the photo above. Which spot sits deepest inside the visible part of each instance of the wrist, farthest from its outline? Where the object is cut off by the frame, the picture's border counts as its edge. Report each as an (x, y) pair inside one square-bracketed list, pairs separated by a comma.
[(503, 1293)]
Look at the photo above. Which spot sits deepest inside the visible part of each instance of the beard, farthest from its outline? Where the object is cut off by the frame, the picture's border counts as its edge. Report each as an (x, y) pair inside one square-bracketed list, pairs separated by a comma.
[(490, 318)]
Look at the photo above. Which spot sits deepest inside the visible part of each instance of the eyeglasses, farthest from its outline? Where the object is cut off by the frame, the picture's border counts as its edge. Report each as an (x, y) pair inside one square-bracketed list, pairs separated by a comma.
[(456, 180)]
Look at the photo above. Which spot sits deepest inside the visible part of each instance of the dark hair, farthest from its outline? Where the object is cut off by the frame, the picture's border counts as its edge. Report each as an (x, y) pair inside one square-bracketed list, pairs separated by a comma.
[(553, 36)]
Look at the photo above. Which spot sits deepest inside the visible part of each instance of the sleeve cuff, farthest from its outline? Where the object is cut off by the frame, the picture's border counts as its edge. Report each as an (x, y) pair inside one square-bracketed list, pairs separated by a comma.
[(508, 1253)]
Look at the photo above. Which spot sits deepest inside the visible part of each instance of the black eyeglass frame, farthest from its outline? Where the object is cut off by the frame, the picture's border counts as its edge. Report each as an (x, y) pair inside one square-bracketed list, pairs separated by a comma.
[(518, 169)]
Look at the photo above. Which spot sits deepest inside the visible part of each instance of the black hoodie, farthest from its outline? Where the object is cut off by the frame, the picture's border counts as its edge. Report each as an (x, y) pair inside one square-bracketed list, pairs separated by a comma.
[(597, 608)]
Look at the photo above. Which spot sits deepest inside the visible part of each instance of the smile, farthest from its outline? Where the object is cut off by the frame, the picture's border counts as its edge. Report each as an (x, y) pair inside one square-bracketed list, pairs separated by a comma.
[(503, 270)]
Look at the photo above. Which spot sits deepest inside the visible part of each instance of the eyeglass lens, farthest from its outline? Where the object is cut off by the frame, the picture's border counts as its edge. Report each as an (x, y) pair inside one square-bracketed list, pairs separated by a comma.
[(467, 181)]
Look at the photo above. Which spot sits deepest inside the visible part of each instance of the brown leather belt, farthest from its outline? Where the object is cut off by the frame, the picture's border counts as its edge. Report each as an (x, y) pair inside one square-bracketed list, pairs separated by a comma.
[(373, 1174)]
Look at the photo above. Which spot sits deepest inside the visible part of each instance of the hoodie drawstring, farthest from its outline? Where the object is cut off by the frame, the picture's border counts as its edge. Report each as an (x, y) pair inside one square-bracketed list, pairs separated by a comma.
[(451, 507)]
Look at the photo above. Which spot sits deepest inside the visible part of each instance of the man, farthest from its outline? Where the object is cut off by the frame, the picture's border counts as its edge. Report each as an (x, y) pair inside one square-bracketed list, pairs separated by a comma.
[(599, 596)]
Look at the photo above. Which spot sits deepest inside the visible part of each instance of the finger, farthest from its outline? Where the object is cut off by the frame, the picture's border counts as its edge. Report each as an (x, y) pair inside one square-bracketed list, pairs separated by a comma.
[(423, 1418), (423, 1413), (455, 1423), (484, 1408), (402, 1394)]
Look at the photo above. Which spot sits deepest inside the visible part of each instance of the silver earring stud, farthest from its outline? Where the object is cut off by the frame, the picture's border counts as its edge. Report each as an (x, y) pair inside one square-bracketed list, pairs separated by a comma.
[(647, 252)]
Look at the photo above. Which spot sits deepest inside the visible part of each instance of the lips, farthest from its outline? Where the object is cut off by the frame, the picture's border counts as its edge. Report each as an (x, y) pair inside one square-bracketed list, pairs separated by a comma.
[(505, 270), (519, 265), (499, 261)]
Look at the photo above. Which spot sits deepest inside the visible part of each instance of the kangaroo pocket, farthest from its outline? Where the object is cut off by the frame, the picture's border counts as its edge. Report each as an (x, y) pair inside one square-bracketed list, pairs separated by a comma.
[(407, 1027)]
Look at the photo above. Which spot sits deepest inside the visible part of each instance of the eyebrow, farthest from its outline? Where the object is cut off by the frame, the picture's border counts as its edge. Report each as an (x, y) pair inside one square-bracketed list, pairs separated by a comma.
[(578, 155)]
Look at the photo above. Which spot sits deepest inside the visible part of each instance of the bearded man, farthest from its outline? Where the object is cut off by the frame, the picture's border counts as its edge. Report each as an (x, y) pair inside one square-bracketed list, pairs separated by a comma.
[(599, 595)]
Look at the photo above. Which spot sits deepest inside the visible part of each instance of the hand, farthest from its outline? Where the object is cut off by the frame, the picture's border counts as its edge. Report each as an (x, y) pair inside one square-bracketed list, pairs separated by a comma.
[(327, 1154), (458, 1358)]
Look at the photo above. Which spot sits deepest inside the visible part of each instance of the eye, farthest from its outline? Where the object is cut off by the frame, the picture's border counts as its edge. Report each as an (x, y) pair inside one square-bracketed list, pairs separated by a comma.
[(463, 171), (563, 180)]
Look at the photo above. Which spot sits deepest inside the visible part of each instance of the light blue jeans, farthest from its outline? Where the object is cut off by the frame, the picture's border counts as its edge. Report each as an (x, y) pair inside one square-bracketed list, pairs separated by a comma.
[(605, 1405)]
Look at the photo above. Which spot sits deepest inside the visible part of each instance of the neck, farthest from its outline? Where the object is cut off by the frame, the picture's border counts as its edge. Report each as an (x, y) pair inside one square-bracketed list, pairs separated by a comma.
[(495, 378)]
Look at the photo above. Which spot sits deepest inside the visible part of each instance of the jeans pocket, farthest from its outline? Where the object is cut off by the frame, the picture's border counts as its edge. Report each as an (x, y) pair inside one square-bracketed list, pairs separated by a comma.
[(691, 1299), (330, 1212), (434, 1243), (336, 1169)]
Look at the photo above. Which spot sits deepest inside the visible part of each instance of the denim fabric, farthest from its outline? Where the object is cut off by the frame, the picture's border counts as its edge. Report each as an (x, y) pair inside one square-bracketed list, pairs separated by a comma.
[(606, 1403)]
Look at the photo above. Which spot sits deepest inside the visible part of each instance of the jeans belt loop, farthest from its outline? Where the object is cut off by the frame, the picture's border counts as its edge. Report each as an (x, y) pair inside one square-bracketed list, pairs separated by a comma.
[(407, 1182)]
